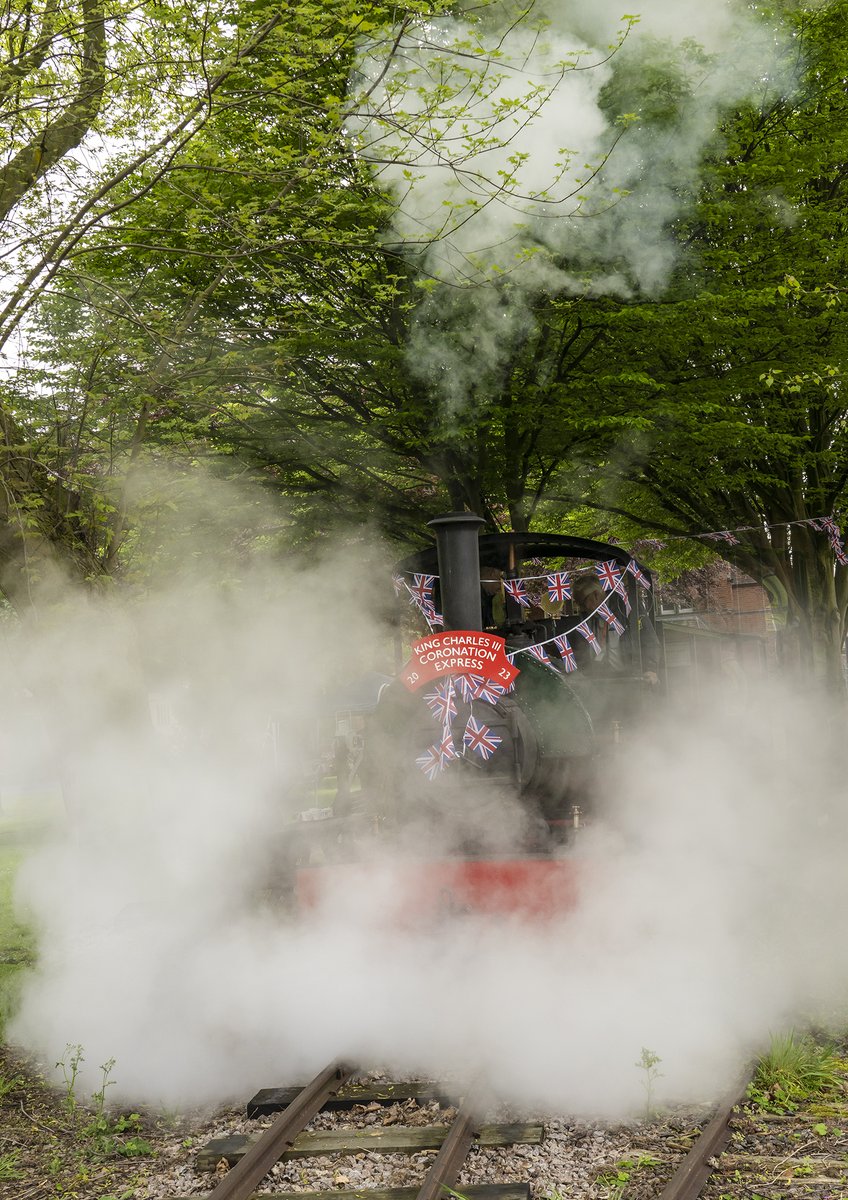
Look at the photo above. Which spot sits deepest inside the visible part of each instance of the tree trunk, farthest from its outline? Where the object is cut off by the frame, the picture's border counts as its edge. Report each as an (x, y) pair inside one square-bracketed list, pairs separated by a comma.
[(815, 616)]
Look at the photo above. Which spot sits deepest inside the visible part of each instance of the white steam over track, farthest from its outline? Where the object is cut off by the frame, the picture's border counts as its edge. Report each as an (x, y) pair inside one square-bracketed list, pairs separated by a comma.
[(712, 910)]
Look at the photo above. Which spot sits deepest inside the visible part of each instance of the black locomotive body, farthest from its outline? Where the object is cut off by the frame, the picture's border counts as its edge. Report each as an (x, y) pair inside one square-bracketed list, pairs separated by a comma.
[(511, 792), (560, 714)]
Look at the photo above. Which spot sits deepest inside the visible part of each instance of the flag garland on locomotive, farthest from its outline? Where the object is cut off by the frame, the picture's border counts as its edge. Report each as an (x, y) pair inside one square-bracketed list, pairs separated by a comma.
[(474, 714)]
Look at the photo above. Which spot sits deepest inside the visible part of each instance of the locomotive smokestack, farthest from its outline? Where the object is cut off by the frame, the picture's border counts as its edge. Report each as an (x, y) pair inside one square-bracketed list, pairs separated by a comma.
[(459, 569)]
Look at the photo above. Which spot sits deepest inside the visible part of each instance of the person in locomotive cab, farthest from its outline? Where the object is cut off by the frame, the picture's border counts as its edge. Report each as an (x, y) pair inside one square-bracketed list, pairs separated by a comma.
[(493, 599), (635, 652)]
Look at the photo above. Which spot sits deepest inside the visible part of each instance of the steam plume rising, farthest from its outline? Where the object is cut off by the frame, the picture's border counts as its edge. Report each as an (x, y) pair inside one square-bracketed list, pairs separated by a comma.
[(532, 154)]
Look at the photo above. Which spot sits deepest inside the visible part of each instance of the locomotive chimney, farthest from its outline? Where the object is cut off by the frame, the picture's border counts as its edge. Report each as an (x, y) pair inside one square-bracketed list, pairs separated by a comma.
[(459, 569)]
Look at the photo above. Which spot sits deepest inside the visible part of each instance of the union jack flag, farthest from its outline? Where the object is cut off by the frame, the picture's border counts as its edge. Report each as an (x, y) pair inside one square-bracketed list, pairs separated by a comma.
[(640, 577), (834, 534), (569, 663), (490, 692), (609, 574), (515, 588), (421, 589), (445, 749), (559, 586), (398, 584), (429, 762), (723, 535), (479, 739), (426, 607), (611, 619), (441, 702), (540, 653), (478, 687), (584, 631), (467, 685)]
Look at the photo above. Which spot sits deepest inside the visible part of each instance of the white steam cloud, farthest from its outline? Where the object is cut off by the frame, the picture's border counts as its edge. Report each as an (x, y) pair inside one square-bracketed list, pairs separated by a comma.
[(549, 153), (711, 907)]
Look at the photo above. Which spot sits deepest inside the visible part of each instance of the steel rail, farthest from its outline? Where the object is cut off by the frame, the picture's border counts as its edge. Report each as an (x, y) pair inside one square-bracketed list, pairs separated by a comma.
[(239, 1182), (688, 1180), (445, 1167)]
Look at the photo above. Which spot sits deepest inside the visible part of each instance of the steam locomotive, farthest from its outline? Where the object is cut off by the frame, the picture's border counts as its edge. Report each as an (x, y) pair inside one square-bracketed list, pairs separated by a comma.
[(483, 746)]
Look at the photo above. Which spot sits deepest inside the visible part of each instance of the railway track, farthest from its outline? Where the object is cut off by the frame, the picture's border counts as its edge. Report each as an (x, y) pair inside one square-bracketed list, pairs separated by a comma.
[(247, 1159), (238, 1163)]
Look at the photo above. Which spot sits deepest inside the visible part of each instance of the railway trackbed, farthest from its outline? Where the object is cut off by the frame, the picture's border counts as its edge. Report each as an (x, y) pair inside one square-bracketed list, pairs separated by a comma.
[(244, 1160), (678, 1160)]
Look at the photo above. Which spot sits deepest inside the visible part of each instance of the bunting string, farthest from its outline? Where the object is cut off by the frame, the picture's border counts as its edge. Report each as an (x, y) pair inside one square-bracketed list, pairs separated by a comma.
[(420, 595), (827, 525), (476, 739), (559, 583)]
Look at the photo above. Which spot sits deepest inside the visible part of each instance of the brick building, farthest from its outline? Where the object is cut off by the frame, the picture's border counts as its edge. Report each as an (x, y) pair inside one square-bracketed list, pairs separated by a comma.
[(715, 622)]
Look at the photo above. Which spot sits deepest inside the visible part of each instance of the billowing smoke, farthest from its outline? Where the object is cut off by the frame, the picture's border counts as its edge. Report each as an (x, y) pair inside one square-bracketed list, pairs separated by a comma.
[(713, 886), (550, 152)]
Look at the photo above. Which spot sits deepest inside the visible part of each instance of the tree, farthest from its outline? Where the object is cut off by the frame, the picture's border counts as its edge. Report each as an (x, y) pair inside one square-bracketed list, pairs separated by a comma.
[(213, 169), (733, 381), (479, 376), (131, 89), (232, 285)]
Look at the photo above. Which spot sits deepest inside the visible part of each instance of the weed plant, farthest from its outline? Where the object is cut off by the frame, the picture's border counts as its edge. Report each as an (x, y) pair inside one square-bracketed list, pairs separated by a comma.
[(614, 1183), (649, 1065), (104, 1135)]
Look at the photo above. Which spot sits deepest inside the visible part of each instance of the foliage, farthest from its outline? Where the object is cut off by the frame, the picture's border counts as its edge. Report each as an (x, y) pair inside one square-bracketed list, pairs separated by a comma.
[(714, 407), (9, 1085), (215, 153), (9, 1165), (211, 284), (649, 1064), (104, 1135), (731, 383), (795, 1069), (615, 1183), (17, 948)]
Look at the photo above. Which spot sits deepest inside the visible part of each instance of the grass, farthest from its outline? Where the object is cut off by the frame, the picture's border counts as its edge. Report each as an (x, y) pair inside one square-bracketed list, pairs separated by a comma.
[(54, 1144), (9, 1165), (17, 943), (796, 1069), (63, 1147)]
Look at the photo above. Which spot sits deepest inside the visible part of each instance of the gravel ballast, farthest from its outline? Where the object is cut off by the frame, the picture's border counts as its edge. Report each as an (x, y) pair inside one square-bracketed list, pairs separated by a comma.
[(771, 1157)]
